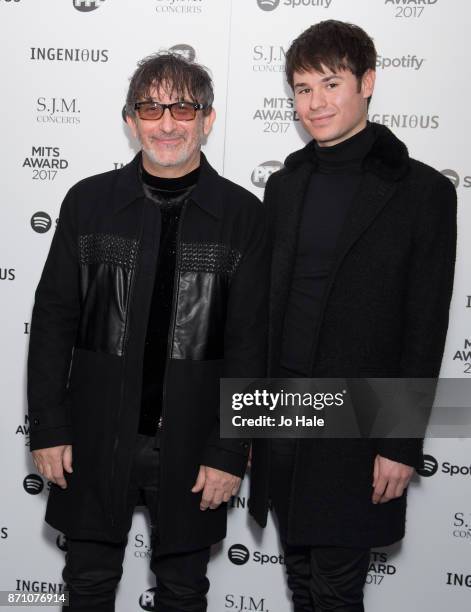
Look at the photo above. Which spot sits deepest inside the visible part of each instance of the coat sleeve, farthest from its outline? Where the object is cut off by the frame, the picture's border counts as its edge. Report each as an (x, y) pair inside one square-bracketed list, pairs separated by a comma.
[(53, 330), (245, 336), (429, 290)]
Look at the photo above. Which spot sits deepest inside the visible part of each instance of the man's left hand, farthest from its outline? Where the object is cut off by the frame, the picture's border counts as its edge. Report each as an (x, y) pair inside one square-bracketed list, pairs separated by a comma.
[(217, 487), (390, 478)]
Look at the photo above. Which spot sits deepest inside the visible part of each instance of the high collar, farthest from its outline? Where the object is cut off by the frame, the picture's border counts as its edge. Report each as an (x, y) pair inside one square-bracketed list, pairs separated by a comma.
[(346, 156), (388, 156), (206, 194), (170, 185)]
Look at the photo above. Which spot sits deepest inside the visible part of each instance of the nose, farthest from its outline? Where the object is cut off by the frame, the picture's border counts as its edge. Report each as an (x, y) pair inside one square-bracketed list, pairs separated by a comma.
[(317, 99), (167, 122)]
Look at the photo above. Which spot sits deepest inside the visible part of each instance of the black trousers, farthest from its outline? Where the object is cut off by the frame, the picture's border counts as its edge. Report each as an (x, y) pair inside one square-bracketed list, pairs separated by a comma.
[(93, 569), (323, 578)]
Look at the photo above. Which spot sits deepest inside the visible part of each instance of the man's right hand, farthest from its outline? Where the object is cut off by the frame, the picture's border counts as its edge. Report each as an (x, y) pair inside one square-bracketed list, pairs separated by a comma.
[(51, 463)]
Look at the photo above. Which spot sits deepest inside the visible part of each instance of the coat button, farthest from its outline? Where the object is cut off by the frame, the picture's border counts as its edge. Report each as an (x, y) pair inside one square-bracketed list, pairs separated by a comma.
[(35, 421), (244, 445)]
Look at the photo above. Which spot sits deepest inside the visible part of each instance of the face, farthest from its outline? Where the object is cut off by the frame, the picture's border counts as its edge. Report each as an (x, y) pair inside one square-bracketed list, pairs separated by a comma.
[(171, 148), (330, 105)]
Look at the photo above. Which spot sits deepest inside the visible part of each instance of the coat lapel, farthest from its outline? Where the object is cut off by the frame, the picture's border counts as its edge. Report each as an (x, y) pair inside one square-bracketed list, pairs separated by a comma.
[(373, 195), (385, 165), (289, 206)]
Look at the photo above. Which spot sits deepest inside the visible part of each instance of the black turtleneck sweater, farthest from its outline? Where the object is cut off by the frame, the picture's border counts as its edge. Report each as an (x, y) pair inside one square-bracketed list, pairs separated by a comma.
[(169, 195), (328, 198)]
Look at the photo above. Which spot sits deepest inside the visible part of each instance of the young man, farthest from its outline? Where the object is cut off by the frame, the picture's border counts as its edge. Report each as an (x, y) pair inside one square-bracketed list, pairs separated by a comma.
[(153, 289), (361, 280)]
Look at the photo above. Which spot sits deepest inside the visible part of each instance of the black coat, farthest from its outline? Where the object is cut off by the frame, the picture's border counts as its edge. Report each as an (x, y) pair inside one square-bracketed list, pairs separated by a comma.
[(384, 314), (92, 304)]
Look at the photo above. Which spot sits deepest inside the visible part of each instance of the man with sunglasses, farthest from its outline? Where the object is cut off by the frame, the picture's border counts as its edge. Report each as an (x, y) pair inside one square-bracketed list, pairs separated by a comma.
[(154, 288)]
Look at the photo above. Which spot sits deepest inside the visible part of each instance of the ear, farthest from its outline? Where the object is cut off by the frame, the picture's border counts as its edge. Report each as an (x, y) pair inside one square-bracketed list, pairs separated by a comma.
[(368, 83), (208, 121), (132, 125)]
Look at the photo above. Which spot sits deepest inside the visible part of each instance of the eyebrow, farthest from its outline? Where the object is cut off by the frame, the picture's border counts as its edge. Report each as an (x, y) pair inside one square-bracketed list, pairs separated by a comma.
[(326, 79)]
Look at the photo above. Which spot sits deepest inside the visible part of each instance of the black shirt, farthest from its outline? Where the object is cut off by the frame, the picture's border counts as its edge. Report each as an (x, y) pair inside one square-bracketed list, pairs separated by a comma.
[(328, 198), (169, 195)]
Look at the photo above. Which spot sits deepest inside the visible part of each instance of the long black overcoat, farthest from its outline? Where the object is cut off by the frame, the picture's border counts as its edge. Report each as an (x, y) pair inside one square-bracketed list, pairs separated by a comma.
[(87, 344), (384, 314)]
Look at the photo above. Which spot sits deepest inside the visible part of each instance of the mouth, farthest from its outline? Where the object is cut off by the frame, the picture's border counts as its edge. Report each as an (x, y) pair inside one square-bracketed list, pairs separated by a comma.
[(321, 118), (167, 140)]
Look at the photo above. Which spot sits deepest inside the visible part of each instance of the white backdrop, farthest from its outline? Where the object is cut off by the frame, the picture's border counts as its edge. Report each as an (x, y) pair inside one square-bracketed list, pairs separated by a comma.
[(64, 73)]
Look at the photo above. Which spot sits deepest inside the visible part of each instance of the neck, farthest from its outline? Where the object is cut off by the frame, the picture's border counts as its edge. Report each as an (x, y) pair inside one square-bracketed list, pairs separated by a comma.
[(346, 156), (170, 172), (355, 130)]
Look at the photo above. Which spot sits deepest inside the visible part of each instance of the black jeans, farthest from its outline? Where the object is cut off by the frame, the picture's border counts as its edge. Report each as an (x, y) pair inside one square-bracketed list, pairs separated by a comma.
[(93, 569), (321, 578)]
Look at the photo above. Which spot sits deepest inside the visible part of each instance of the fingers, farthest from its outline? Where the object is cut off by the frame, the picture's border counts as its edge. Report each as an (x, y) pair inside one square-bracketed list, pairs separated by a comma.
[(375, 470), (200, 480), (207, 497), (390, 479), (249, 458), (216, 500), (236, 487), (380, 486), (219, 486), (67, 459), (48, 462)]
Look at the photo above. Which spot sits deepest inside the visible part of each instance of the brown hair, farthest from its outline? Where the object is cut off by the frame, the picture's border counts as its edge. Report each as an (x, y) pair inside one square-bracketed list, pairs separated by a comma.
[(336, 45)]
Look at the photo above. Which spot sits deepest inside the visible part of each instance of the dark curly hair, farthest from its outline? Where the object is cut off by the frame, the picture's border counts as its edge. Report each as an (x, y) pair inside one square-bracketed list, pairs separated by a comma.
[(171, 70)]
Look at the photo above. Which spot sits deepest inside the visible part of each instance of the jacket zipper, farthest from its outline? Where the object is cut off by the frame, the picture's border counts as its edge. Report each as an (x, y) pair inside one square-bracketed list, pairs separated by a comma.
[(161, 424), (125, 342)]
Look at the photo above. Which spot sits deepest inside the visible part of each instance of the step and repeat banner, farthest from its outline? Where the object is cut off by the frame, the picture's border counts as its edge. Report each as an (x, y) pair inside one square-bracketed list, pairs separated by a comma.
[(65, 70)]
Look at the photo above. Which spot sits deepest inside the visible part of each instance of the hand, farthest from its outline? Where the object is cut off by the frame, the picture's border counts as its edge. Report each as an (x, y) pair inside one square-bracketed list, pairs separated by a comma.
[(390, 478), (217, 487), (51, 463), (249, 458)]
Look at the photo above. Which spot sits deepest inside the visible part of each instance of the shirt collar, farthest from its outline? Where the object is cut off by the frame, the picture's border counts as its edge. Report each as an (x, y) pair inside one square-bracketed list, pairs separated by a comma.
[(207, 193)]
